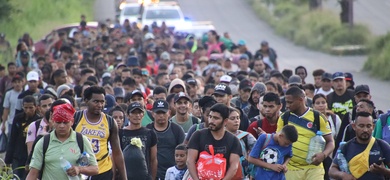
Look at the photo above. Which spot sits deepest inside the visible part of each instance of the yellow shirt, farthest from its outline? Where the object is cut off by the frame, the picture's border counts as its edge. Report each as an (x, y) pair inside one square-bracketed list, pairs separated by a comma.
[(98, 134), (303, 124)]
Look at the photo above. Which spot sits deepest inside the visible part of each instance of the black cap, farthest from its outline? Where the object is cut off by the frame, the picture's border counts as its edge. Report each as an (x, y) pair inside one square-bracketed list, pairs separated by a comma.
[(133, 106), (222, 89), (180, 95), (24, 54), (245, 84), (136, 92), (362, 89), (160, 105), (137, 71), (192, 81), (327, 76)]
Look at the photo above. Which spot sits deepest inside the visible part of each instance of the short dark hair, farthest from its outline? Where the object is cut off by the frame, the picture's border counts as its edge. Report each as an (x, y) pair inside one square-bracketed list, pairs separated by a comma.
[(271, 97), (363, 114), (56, 103), (93, 90), (55, 74), (181, 147), (368, 102), (170, 97), (233, 109), (295, 92), (300, 67), (41, 59), (270, 83), (254, 74), (11, 64), (291, 133), (309, 86), (69, 65), (317, 96), (159, 90), (222, 109), (116, 108), (93, 79), (207, 87), (29, 99), (44, 97), (160, 75), (318, 72), (117, 79), (86, 71), (126, 70), (129, 82)]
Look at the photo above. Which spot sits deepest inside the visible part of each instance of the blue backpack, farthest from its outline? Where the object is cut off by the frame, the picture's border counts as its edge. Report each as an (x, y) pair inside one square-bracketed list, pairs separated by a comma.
[(243, 161), (385, 127)]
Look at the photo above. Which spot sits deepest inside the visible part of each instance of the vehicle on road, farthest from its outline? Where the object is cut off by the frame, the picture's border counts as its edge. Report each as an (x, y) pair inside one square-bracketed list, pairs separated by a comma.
[(168, 12), (131, 12)]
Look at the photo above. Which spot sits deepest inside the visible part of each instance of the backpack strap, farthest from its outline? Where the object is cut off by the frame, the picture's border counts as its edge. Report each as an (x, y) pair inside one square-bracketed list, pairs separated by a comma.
[(194, 119), (46, 141), (197, 127), (333, 116), (77, 117), (266, 141), (285, 117), (37, 124), (317, 119), (242, 135), (80, 142), (383, 119), (259, 123)]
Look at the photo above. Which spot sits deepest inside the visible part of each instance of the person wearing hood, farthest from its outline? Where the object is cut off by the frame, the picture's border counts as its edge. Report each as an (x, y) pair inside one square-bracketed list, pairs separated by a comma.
[(257, 91), (24, 62), (176, 86)]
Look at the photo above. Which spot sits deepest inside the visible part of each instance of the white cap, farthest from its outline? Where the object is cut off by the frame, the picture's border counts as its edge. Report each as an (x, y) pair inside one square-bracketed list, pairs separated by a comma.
[(32, 76), (149, 36), (106, 74), (225, 78)]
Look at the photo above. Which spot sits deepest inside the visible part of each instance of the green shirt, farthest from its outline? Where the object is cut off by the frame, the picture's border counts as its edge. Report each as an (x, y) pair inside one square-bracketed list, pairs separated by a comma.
[(68, 149), (186, 125), (378, 128), (146, 119)]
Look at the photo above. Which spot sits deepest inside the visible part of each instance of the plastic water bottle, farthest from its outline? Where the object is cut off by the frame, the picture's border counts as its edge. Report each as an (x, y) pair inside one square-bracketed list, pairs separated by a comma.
[(316, 145), (343, 164), (84, 159), (65, 165)]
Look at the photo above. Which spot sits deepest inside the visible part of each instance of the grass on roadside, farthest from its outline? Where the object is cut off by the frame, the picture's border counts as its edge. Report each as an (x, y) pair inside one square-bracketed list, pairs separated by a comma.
[(318, 30), (379, 58), (39, 17)]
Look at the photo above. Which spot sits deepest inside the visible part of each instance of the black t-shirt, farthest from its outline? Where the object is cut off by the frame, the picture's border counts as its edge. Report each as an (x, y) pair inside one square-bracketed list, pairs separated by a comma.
[(341, 104), (229, 144), (147, 136), (379, 149)]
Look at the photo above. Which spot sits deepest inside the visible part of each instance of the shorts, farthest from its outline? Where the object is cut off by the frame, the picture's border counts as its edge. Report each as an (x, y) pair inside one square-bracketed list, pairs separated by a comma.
[(306, 174), (103, 176)]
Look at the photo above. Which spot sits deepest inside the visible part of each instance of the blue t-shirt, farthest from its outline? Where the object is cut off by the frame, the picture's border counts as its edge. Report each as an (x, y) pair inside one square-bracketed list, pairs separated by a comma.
[(272, 153), (379, 149)]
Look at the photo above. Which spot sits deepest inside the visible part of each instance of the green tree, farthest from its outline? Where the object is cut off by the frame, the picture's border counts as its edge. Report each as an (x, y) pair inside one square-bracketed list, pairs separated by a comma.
[(6, 9)]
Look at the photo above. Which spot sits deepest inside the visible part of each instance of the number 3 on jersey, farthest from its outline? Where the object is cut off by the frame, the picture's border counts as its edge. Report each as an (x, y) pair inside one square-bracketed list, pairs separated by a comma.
[(95, 145)]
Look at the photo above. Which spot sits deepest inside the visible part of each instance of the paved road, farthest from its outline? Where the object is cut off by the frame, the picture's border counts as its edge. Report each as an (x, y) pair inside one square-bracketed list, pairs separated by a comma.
[(237, 17), (373, 13)]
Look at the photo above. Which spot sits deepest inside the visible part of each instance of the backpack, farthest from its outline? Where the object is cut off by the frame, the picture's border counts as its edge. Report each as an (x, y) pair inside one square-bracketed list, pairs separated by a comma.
[(46, 142), (265, 144), (316, 123), (243, 137), (385, 127), (194, 120)]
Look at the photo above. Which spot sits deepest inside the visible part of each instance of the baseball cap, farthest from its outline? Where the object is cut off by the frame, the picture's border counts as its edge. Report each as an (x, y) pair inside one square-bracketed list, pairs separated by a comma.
[(24, 54), (222, 89), (180, 95), (245, 84), (225, 79), (160, 105), (338, 75), (241, 42), (149, 36), (120, 65), (327, 76), (295, 79), (136, 92), (135, 105), (244, 56), (106, 74), (191, 81), (110, 103), (362, 89), (348, 76), (32, 76), (132, 61), (264, 43), (119, 92), (17, 77)]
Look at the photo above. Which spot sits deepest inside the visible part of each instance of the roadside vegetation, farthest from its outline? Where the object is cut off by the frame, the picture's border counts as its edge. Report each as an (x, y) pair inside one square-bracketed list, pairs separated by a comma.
[(39, 17), (315, 29), (379, 58)]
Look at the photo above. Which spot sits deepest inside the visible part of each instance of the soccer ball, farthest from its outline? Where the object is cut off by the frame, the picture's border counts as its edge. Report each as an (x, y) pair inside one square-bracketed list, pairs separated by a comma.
[(269, 156)]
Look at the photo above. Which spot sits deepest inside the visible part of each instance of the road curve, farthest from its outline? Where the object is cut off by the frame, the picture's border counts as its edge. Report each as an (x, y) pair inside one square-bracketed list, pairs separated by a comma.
[(238, 18)]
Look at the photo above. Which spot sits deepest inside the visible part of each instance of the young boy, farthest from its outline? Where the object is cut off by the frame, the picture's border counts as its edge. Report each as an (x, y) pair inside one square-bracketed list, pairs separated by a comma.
[(178, 171), (272, 153)]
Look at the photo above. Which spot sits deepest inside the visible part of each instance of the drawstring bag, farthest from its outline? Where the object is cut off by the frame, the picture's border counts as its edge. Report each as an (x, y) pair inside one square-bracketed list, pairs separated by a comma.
[(3, 142), (135, 162), (211, 166)]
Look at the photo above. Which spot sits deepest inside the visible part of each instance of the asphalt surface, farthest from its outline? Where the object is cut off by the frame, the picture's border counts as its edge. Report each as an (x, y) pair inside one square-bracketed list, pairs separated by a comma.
[(238, 18), (373, 13)]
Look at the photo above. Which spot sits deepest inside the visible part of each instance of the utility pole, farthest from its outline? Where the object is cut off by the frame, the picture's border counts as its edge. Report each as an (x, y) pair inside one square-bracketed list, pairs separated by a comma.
[(350, 14)]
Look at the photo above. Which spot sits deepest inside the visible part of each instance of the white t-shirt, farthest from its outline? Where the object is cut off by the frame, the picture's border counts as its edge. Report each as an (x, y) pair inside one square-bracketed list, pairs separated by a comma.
[(174, 173), (335, 127), (321, 91), (10, 101)]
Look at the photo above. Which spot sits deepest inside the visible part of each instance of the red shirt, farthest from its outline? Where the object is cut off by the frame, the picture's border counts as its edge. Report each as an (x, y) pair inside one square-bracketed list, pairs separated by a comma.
[(266, 126)]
